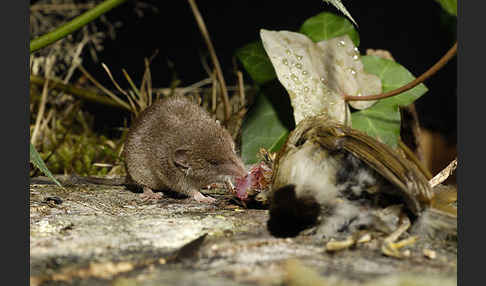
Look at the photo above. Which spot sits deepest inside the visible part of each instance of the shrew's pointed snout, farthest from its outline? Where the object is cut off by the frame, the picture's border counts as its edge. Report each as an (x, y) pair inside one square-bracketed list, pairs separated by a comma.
[(236, 167)]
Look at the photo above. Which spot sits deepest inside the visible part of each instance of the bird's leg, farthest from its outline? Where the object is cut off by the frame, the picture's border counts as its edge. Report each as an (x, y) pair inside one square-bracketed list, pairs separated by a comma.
[(390, 247)]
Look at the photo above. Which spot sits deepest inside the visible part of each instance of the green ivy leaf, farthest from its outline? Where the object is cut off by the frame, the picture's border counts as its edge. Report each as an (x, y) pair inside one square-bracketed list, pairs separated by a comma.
[(449, 5), (327, 25), (262, 129), (256, 62), (382, 120), (36, 159)]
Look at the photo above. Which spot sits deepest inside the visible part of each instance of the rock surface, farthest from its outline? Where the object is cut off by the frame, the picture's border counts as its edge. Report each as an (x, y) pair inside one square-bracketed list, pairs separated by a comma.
[(100, 235)]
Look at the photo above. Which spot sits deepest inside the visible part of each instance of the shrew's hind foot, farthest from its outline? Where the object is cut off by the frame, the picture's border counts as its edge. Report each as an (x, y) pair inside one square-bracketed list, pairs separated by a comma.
[(149, 195)]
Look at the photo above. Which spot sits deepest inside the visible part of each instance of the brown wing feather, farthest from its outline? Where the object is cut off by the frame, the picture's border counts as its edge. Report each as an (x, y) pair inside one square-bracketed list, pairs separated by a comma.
[(402, 173)]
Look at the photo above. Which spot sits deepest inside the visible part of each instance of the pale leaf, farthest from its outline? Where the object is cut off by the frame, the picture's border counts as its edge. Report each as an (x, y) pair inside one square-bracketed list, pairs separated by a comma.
[(344, 69), (317, 75), (339, 5)]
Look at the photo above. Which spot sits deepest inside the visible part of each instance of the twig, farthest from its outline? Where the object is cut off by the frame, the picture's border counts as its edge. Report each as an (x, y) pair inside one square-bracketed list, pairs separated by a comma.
[(82, 93), (205, 65), (241, 87), (219, 73), (131, 83), (444, 174), (109, 93), (214, 92), (46, 121), (195, 86), (149, 83), (134, 94), (40, 114), (105, 67), (98, 98), (166, 91), (76, 58), (413, 83), (146, 86)]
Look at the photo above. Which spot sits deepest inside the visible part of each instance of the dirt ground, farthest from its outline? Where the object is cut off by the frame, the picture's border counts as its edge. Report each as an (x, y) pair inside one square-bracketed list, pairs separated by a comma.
[(101, 235)]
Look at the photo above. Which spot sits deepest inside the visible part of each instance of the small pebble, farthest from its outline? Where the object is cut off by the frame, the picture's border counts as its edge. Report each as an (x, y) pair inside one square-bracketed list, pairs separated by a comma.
[(429, 253)]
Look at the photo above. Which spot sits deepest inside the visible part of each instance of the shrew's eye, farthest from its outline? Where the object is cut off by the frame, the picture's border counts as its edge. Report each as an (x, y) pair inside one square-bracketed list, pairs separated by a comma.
[(213, 162)]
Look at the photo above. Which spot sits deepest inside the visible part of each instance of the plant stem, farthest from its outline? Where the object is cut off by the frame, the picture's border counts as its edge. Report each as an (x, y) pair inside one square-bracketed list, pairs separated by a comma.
[(82, 93), (444, 174), (411, 84), (73, 25), (40, 113), (212, 52)]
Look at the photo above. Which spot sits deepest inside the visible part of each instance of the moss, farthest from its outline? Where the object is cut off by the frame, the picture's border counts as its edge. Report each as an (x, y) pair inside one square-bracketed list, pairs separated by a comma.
[(68, 144)]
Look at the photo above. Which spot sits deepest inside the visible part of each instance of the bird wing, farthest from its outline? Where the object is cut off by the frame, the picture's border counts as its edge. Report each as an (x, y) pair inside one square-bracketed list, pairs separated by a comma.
[(404, 174)]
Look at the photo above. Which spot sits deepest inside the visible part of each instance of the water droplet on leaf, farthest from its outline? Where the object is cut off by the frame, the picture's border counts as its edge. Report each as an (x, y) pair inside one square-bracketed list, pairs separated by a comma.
[(295, 78)]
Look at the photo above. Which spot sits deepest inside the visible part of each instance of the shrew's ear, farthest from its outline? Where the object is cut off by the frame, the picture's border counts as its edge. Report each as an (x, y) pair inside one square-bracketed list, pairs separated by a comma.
[(181, 157)]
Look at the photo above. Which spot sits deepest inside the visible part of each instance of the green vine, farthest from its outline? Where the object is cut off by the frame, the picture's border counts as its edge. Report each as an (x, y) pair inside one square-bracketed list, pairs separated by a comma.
[(73, 25)]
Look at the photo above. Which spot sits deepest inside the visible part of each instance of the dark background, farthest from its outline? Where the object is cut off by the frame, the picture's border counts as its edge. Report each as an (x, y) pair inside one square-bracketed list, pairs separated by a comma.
[(417, 33)]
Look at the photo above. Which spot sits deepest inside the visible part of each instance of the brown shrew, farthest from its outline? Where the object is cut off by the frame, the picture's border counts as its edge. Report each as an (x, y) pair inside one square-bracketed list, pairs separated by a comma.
[(174, 144)]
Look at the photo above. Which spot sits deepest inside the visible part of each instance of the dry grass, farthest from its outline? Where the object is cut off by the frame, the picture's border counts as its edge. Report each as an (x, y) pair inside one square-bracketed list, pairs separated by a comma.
[(62, 132)]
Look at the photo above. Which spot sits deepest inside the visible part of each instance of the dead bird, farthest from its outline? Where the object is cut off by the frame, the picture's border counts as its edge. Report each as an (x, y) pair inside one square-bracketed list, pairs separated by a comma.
[(335, 178)]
